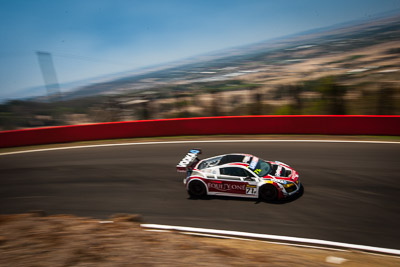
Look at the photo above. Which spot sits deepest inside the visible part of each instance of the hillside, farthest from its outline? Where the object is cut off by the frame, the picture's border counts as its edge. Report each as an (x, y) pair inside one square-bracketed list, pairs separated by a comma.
[(351, 69)]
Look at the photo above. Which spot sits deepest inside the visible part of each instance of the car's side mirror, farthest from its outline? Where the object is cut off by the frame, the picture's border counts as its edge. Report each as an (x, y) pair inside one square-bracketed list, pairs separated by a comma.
[(248, 178)]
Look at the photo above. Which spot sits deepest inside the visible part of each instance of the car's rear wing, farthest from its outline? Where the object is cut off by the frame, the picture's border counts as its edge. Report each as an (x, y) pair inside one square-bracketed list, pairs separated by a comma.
[(189, 161)]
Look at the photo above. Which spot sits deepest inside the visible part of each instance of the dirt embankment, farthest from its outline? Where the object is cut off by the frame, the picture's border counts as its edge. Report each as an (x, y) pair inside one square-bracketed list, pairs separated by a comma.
[(64, 240)]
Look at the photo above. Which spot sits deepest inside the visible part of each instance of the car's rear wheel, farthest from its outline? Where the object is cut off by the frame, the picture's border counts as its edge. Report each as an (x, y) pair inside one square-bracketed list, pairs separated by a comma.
[(197, 189), (268, 192)]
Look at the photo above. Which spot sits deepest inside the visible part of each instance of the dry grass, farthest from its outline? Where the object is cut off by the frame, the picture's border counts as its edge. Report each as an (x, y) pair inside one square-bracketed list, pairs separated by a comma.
[(321, 66), (64, 240)]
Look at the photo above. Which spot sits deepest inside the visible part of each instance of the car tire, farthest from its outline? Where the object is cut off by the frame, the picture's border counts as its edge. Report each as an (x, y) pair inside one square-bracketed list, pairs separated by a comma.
[(197, 189), (268, 192)]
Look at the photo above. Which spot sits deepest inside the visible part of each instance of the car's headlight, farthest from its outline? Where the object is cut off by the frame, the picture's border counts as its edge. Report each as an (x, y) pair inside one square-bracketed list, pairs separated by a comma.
[(285, 184), (288, 184)]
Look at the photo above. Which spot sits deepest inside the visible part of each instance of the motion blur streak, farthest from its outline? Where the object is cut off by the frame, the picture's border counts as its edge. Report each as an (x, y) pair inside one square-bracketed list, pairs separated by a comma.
[(49, 75), (350, 191)]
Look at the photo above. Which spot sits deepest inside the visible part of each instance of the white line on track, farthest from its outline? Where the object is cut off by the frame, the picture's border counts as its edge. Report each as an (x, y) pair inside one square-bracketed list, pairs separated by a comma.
[(307, 242), (194, 141), (248, 239)]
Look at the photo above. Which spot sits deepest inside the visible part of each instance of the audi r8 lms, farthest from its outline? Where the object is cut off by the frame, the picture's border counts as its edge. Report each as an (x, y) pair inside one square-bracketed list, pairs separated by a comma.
[(238, 175)]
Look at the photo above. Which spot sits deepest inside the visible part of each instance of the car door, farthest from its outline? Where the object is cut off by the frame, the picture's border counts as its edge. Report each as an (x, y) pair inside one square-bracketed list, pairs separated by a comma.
[(234, 180)]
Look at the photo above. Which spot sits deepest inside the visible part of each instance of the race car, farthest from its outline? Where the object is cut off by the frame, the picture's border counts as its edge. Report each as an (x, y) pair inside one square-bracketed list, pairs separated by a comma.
[(238, 175)]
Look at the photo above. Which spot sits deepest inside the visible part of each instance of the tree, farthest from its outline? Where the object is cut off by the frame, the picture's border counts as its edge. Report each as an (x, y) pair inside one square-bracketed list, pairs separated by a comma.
[(386, 101), (333, 96)]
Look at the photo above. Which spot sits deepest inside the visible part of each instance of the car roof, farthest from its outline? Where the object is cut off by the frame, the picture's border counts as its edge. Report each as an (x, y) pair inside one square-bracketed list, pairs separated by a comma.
[(233, 159)]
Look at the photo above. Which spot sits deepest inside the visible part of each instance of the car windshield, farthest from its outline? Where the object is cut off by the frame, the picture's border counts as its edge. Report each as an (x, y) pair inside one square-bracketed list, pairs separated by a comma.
[(260, 167)]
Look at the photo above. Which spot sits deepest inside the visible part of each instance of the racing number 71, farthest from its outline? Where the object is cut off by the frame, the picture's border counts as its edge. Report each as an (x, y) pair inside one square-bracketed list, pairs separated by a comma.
[(251, 190)]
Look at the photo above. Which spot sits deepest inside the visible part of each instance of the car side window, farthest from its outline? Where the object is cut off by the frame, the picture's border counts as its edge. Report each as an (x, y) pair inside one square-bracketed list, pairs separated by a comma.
[(234, 171), (209, 163), (249, 174)]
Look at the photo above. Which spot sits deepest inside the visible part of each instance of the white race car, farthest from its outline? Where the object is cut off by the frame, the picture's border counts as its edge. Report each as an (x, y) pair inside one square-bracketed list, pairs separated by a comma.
[(238, 175)]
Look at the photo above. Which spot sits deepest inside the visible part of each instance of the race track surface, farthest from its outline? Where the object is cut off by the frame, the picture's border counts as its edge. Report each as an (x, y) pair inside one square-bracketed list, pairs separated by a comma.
[(351, 190)]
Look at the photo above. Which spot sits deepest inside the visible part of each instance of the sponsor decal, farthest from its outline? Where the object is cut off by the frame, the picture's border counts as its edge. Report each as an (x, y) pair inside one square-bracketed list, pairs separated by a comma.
[(278, 171), (281, 181), (226, 187), (253, 163), (187, 159), (257, 171), (246, 159)]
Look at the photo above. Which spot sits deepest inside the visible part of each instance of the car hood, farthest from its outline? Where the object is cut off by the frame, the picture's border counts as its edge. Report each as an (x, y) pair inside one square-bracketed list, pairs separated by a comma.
[(281, 170)]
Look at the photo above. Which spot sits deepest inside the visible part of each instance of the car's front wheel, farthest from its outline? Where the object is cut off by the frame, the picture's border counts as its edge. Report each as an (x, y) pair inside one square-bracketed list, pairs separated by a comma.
[(268, 192), (197, 189)]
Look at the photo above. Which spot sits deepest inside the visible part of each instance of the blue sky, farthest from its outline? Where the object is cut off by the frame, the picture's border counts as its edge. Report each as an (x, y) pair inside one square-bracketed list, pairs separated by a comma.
[(90, 38)]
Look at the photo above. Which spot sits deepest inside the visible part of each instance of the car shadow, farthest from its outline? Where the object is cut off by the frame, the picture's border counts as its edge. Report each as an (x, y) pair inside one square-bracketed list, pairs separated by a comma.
[(256, 201)]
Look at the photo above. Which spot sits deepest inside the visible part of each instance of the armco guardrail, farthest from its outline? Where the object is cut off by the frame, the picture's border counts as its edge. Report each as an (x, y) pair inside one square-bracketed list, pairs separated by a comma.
[(331, 125)]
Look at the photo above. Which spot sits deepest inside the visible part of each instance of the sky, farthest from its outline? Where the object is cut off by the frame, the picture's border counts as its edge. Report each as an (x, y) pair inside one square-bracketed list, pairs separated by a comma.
[(92, 38)]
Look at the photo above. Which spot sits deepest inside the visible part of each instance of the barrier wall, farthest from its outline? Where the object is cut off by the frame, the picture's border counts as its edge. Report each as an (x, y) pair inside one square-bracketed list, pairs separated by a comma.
[(327, 125)]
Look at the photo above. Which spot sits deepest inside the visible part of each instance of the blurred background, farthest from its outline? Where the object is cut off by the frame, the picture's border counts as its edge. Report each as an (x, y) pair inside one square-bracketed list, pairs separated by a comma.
[(77, 62)]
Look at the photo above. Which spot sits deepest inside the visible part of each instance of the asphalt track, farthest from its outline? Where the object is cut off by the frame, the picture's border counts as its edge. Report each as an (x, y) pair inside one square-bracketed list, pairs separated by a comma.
[(351, 190)]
